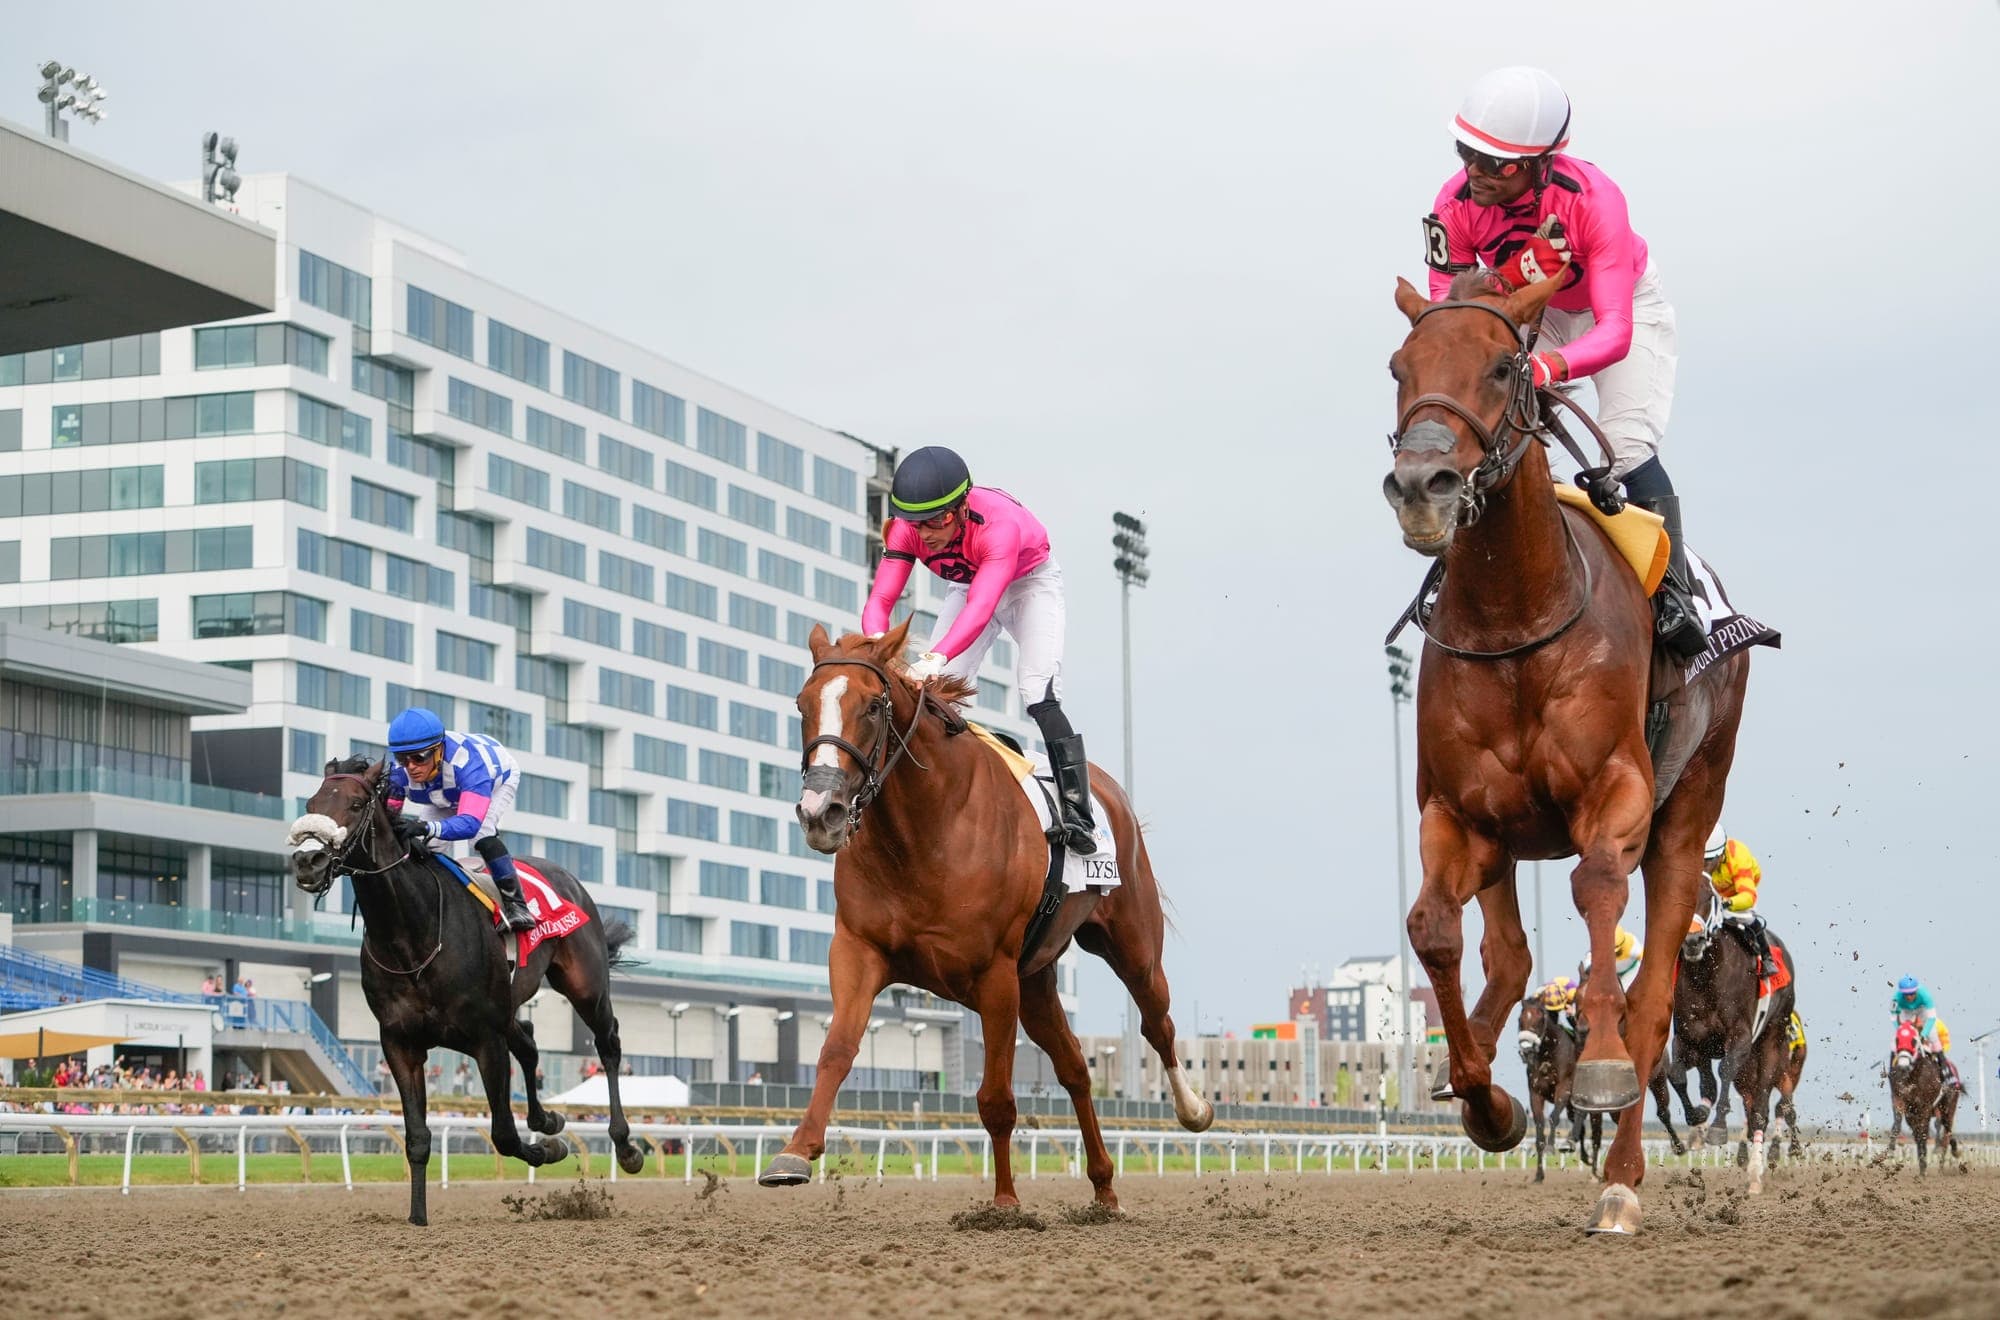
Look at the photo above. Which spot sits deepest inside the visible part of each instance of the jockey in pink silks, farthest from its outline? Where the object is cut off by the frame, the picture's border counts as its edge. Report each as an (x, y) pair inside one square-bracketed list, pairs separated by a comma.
[(1529, 212), (995, 554)]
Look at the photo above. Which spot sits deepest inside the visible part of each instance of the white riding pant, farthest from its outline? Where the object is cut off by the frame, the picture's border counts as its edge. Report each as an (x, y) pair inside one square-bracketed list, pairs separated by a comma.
[(1031, 611), (497, 808), (1636, 393)]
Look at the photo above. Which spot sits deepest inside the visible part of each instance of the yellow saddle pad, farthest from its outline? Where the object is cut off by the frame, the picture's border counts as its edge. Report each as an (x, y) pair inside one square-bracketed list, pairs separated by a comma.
[(1640, 535), (1795, 1034), (1021, 767)]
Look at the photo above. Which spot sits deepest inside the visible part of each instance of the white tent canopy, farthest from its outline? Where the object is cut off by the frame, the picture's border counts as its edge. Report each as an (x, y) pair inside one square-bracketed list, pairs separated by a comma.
[(633, 1092)]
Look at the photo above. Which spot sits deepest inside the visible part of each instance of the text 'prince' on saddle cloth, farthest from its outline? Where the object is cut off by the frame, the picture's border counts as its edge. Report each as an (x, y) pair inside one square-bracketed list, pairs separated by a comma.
[(1729, 629), (1099, 870)]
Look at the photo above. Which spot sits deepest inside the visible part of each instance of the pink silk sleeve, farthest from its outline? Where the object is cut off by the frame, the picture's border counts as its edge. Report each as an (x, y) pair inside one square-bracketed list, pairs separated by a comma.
[(1000, 553), (1458, 249), (890, 576), (1608, 248)]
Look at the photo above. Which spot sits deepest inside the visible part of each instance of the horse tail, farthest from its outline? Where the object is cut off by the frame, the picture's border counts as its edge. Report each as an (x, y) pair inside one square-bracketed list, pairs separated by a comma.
[(618, 936)]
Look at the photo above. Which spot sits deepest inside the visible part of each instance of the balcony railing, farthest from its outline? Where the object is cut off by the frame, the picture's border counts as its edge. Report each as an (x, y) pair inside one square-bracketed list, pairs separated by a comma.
[(202, 921), (22, 780)]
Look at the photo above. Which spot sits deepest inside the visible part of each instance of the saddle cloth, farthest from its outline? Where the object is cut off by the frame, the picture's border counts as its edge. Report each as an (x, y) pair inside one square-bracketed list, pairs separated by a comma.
[(555, 916), (1099, 870), (1639, 535)]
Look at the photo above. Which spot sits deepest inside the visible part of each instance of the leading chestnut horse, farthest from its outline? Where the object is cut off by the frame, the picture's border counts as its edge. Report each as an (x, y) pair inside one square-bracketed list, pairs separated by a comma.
[(1531, 722), (938, 889)]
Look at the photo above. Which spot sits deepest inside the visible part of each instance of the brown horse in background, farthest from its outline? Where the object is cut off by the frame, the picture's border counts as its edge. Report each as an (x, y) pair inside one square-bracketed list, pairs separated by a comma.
[(1548, 1056), (938, 891), (1531, 710), (1918, 1082)]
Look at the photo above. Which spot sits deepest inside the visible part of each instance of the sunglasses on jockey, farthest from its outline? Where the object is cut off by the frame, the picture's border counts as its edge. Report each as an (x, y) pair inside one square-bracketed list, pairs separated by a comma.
[(1497, 167), (941, 521), (421, 758)]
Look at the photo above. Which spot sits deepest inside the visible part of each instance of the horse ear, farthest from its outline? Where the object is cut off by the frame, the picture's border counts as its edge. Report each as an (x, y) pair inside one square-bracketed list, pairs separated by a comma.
[(892, 643), (818, 642), (1524, 305), (331, 767), (1408, 301)]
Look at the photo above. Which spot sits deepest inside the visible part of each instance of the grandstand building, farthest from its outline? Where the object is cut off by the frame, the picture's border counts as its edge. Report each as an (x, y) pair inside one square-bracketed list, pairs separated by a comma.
[(409, 485)]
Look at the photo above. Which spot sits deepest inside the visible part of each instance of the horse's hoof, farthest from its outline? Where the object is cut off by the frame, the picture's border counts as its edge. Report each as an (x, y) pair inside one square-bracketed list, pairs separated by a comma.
[(1488, 1139), (1679, 1146), (1605, 1086), (785, 1171), (1197, 1121), (552, 1123), (1616, 1213), (1699, 1118), (554, 1150), (1441, 1082), (421, 1221), (632, 1159)]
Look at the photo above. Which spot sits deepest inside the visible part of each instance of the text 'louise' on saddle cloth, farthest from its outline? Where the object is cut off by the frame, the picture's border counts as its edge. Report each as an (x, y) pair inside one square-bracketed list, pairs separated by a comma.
[(555, 916)]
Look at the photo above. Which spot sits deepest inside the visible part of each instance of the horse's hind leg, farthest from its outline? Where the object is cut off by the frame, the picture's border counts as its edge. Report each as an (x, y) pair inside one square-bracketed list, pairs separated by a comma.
[(1541, 1135), (1664, 1109), (1042, 1017), (583, 976), (1503, 955), (406, 1064), (1458, 865)]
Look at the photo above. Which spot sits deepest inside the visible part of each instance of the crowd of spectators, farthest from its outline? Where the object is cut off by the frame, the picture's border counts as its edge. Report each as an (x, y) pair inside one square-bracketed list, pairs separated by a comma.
[(78, 1078)]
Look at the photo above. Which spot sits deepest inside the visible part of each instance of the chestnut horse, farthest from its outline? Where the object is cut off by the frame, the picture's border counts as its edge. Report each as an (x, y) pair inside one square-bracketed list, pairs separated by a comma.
[(1531, 722), (938, 892)]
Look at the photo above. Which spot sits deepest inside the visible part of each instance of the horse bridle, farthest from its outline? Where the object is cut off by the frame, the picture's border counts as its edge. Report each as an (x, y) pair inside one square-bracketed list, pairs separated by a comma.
[(879, 759), (1522, 415), (375, 794)]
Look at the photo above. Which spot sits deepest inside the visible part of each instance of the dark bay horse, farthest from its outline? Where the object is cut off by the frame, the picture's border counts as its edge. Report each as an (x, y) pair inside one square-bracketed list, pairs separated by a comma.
[(434, 971), (1923, 1096), (937, 889), (1548, 1055), (1715, 1021), (1788, 1085), (1531, 721)]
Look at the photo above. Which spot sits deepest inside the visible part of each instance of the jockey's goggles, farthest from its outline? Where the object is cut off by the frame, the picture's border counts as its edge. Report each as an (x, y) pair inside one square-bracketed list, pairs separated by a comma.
[(1492, 166), (423, 756), (939, 522)]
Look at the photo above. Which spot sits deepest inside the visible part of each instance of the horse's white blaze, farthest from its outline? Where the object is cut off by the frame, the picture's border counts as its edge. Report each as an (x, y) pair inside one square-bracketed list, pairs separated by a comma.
[(829, 721), (1188, 1106)]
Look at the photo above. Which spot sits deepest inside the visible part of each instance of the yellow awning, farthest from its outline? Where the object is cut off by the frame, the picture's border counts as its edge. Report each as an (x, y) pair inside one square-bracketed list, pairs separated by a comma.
[(51, 1044)]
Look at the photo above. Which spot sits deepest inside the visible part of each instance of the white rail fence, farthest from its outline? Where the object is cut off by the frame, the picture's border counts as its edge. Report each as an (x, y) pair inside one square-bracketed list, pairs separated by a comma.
[(1263, 1152)]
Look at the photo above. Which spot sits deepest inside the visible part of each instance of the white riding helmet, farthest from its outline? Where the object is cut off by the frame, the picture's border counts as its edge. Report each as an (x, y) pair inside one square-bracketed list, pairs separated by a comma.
[(1718, 842), (1513, 113)]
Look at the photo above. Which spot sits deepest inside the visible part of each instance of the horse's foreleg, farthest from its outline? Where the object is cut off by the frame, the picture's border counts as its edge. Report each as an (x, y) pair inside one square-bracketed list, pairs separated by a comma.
[(1457, 865), (1664, 1108), (497, 1073), (856, 974), (998, 1003), (1042, 1017), (406, 1064), (521, 1044), (1608, 829), (1535, 1106)]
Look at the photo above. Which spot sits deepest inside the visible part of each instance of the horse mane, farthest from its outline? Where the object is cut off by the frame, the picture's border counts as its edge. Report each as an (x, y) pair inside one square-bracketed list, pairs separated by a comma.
[(356, 764), (946, 689), (1479, 282)]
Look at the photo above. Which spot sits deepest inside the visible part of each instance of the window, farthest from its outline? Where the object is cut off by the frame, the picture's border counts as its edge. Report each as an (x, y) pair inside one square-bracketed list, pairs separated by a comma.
[(574, 742), (658, 530), (624, 691), (440, 323), (686, 706), (93, 490), (823, 896), (10, 564), (383, 507), (557, 554), (657, 411), (618, 811), (854, 547), (465, 532), (753, 615), (381, 380), (776, 889), (542, 675), (426, 458), (332, 426), (749, 830), (721, 880), (132, 355), (582, 860), (332, 287), (102, 620), (515, 353), (718, 660), (668, 646), (510, 728), (591, 384), (719, 437), (465, 655), (779, 677), (720, 770), (483, 408), (306, 752), (689, 596), (258, 614), (681, 934), (373, 634), (750, 939), (507, 605), (780, 462), (689, 486), (585, 505), (517, 481), (811, 946), (269, 345), (330, 689), (747, 506), (835, 484), (626, 462), (782, 572), (134, 554), (10, 430), (332, 557), (779, 782), (835, 590), (186, 417), (724, 552), (645, 871), (809, 531), (542, 796), (657, 756), (694, 820), (753, 722), (628, 577), (588, 623), (426, 584), (399, 697), (555, 435)]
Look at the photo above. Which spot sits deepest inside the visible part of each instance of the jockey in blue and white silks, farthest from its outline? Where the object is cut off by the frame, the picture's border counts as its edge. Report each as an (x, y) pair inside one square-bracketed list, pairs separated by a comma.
[(462, 786)]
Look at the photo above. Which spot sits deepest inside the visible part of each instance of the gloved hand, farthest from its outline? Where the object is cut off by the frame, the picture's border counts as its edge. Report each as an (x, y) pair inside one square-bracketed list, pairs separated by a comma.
[(412, 833), (1548, 369), (927, 666), (1545, 256)]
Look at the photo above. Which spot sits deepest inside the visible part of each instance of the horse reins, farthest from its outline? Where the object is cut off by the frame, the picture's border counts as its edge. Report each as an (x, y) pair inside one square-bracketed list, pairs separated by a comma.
[(375, 793), (878, 760)]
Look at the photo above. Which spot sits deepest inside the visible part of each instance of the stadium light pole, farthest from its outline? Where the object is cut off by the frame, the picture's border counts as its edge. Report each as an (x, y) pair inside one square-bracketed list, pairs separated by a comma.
[(1400, 691), (1980, 1041), (64, 89), (219, 179), (1128, 538)]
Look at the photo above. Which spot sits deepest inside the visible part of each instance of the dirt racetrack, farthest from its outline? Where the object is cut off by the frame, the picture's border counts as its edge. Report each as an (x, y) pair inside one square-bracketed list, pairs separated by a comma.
[(1822, 1241)]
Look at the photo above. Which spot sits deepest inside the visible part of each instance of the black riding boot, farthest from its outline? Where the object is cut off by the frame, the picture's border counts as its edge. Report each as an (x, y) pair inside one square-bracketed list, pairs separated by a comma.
[(1761, 939), (1072, 774), (514, 914), (1675, 621)]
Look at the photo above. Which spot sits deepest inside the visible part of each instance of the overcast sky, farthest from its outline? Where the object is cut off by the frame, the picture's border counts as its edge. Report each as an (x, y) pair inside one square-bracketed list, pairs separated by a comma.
[(1139, 256)]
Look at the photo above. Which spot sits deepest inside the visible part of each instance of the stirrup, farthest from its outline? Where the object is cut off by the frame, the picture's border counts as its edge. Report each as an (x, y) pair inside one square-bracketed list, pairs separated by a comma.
[(515, 916), (1675, 623)]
